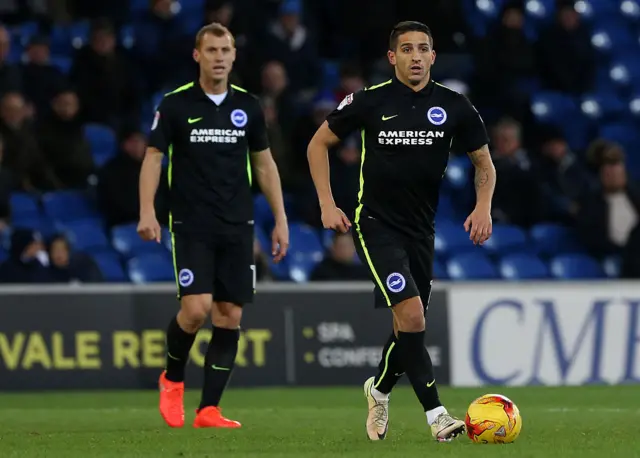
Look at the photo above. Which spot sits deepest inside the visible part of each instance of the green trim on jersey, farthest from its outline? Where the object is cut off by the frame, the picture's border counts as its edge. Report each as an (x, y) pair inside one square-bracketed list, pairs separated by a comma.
[(249, 173), (378, 85), (238, 88), (386, 364), (359, 231), (446, 87), (169, 179), (175, 262), (181, 88)]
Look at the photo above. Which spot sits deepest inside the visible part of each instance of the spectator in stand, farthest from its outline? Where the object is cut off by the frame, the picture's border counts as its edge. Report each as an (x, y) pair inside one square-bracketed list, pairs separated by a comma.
[(280, 147), (505, 63), (290, 42), (610, 213), (7, 185), (340, 263), (10, 77), (41, 79), (275, 86), (71, 268), (104, 79), (567, 61), (62, 141), (517, 198), (118, 183), (28, 259), (345, 175), (351, 81), (163, 46), (564, 179), (21, 150)]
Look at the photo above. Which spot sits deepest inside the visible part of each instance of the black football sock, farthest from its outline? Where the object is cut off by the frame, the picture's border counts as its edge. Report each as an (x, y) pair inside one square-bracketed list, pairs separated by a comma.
[(179, 344), (218, 364), (389, 370), (417, 365)]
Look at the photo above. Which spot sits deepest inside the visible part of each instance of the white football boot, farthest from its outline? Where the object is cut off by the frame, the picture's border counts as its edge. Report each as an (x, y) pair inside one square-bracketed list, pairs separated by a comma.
[(445, 427), (378, 418)]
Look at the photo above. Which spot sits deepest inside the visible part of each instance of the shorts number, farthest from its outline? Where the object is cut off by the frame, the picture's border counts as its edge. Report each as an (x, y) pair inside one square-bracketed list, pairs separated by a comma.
[(253, 274)]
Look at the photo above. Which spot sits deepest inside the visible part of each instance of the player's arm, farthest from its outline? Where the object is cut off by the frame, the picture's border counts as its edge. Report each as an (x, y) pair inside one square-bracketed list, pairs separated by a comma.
[(340, 123), (473, 135), (485, 177), (150, 172), (268, 179)]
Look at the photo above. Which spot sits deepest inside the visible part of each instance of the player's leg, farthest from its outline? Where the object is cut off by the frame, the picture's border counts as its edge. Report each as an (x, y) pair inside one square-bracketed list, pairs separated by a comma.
[(234, 287), (371, 240), (410, 315), (192, 268)]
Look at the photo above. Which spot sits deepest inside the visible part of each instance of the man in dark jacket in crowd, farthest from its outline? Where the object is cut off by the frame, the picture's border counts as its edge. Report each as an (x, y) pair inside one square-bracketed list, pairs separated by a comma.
[(118, 183), (28, 259)]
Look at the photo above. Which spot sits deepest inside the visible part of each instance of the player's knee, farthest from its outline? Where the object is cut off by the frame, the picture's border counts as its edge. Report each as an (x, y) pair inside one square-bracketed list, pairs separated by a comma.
[(226, 315), (409, 315), (194, 311)]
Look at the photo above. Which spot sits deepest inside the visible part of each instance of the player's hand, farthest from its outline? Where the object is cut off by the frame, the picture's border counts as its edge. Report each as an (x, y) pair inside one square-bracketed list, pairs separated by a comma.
[(479, 225), (149, 228), (280, 241), (334, 218)]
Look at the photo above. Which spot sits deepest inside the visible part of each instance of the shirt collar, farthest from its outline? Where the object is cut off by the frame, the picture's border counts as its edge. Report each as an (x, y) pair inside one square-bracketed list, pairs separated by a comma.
[(403, 88), (200, 94)]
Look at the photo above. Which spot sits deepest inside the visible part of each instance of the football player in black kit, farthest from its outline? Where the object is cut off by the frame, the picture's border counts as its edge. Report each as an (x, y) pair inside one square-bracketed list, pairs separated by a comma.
[(407, 126)]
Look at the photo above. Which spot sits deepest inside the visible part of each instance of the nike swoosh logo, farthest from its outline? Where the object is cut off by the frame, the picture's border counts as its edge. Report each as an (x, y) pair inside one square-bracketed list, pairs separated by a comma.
[(386, 118), (429, 385), (218, 368), (193, 120)]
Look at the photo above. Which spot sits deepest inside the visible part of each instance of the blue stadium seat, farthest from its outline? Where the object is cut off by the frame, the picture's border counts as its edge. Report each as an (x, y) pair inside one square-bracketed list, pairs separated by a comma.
[(301, 268), (439, 271), (507, 239), (304, 239), (327, 238), (630, 9), (22, 204), (602, 106), (575, 266), (3, 255), (523, 267), (79, 33), (471, 266), (540, 10), (86, 235), (480, 14), (103, 142), (39, 223), (450, 239), (111, 267), (612, 266), (68, 206), (62, 63), (151, 268), (446, 207), (166, 239), (553, 108), (591, 10), (551, 239), (625, 68), (23, 32), (195, 6), (127, 36), (457, 173), (262, 212), (125, 239)]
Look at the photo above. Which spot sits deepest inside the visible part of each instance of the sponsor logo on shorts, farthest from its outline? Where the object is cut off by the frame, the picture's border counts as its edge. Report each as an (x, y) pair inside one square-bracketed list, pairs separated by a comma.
[(239, 118), (396, 282), (437, 115), (185, 278)]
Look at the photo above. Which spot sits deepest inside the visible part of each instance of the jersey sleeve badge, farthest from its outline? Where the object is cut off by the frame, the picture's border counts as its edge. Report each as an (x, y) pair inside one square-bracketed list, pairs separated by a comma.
[(346, 101)]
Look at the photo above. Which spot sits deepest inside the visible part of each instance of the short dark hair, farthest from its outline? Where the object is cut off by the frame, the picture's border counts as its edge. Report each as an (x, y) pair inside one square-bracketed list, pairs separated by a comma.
[(215, 29), (407, 26)]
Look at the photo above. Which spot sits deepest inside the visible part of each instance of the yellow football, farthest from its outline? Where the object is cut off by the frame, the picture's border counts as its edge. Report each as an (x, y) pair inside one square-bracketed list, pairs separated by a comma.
[(493, 419)]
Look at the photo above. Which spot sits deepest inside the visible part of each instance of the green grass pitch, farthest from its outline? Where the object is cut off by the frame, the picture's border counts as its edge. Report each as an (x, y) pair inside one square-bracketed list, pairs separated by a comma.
[(324, 422)]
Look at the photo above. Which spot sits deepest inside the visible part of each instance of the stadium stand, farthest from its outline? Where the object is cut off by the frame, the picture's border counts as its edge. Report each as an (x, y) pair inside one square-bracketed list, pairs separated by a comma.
[(553, 246)]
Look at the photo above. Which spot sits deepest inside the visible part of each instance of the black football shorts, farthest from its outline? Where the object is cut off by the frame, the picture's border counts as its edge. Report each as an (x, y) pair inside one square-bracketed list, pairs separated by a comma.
[(401, 268), (221, 265)]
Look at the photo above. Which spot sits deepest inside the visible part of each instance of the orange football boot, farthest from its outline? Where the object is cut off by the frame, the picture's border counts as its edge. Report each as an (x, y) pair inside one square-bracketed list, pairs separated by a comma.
[(171, 401), (211, 417)]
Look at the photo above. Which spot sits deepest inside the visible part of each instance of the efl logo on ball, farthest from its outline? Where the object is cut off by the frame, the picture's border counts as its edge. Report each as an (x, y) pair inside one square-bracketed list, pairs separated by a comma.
[(396, 282), (239, 118), (437, 116), (185, 277)]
